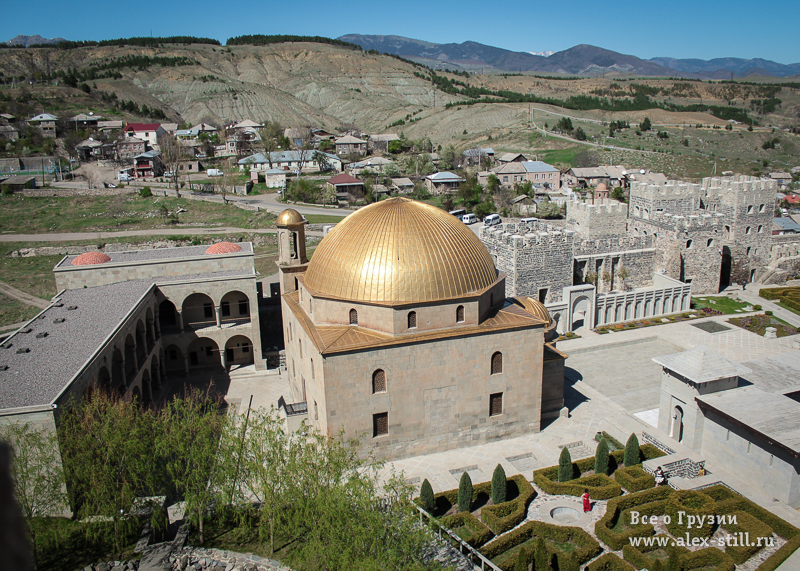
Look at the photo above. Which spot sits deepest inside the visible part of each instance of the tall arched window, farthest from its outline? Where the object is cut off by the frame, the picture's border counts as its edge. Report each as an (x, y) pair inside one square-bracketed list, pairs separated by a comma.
[(353, 317), (460, 314), (312, 369), (379, 381), (412, 319), (497, 363)]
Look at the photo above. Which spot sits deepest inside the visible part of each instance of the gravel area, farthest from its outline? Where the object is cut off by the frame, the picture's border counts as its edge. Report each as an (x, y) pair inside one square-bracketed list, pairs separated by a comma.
[(211, 275), (48, 362), (158, 254)]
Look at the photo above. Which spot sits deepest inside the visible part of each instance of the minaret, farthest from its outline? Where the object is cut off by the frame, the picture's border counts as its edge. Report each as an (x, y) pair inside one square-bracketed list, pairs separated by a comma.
[(292, 259)]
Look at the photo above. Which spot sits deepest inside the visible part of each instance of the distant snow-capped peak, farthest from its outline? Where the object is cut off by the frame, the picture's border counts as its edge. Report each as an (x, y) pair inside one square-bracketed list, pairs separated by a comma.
[(543, 54)]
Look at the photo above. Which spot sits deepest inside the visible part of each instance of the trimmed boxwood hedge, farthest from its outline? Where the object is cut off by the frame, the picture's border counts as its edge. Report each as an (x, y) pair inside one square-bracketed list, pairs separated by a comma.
[(637, 556), (708, 557), (745, 523), (587, 546), (505, 516), (690, 503), (480, 533), (789, 296), (634, 479), (614, 511), (609, 562)]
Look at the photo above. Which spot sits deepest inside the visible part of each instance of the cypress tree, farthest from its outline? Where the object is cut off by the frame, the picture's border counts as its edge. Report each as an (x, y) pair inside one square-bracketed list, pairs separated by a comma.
[(522, 560), (564, 466), (464, 492), (601, 458), (426, 497), (673, 563), (631, 451), (498, 485), (541, 559)]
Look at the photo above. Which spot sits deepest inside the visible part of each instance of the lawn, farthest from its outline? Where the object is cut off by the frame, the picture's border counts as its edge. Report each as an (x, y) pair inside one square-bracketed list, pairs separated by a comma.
[(323, 219), (758, 323), (123, 212), (721, 304), (13, 311), (32, 275)]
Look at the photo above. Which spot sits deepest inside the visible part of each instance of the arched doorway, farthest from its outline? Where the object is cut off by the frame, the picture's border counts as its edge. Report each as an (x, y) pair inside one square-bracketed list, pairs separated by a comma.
[(155, 370), (198, 311), (141, 345), (235, 306), (147, 391), (173, 359), (150, 335), (117, 370), (725, 268), (204, 353), (676, 431), (167, 317), (136, 395), (103, 382), (580, 316), (239, 351), (130, 359)]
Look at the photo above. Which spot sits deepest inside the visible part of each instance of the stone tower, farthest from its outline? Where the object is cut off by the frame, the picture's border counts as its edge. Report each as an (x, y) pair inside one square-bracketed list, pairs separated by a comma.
[(292, 259)]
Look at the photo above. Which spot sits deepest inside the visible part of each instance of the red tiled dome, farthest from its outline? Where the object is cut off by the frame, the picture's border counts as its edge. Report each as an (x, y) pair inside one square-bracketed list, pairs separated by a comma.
[(90, 259), (223, 248)]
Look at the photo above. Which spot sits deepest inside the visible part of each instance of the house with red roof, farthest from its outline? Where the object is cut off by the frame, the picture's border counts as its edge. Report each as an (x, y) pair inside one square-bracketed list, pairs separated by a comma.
[(148, 132)]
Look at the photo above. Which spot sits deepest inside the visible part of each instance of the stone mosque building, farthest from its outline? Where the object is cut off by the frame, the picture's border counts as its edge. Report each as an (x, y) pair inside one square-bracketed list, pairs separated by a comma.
[(399, 331)]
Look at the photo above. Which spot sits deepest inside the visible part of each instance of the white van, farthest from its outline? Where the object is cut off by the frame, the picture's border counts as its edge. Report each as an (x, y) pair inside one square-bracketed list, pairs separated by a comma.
[(459, 213), (469, 218), (213, 172), (492, 220), (529, 220)]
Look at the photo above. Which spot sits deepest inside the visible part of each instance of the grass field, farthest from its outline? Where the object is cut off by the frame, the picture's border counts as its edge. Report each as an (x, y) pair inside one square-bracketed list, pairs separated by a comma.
[(20, 214), (32, 275), (323, 219), (13, 311), (723, 304)]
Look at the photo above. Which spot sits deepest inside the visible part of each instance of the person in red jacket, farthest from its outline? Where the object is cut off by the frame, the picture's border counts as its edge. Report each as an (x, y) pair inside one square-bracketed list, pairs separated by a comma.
[(587, 505)]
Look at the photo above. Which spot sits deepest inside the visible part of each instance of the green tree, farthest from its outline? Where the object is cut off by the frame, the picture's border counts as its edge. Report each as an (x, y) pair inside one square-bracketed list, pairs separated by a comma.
[(483, 209), (618, 194), (523, 560), (541, 558), (498, 485), (464, 492), (645, 125), (673, 561), (632, 451), (395, 147), (426, 497), (580, 134), (492, 183), (548, 209), (37, 474), (564, 124), (448, 158), (322, 160), (601, 458), (564, 466)]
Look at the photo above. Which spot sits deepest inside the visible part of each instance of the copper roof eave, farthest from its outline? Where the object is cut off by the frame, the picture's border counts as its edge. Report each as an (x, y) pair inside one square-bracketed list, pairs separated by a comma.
[(401, 304), (384, 340)]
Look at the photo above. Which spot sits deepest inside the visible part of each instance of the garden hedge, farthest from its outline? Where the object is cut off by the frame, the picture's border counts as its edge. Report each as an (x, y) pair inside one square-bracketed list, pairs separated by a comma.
[(637, 556), (745, 523), (600, 486), (705, 558), (789, 296), (609, 562), (480, 533), (684, 503), (614, 511), (505, 516), (634, 479), (586, 546)]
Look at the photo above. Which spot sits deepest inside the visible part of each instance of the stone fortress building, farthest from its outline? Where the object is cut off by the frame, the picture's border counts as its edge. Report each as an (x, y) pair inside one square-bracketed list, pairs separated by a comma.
[(399, 330), (127, 323), (614, 263)]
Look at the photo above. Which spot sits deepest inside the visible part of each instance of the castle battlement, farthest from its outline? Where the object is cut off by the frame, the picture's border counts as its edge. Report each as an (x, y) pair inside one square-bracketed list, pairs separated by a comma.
[(598, 208), (700, 220), (671, 189), (738, 183), (508, 235)]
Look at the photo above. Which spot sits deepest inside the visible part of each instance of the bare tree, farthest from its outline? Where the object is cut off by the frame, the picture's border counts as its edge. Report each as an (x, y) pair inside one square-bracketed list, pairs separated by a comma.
[(270, 135), (226, 184), (171, 153)]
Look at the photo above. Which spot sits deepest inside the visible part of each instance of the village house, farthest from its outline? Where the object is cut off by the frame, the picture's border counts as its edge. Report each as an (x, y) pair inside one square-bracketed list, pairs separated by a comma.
[(273, 178), (403, 185), (83, 121), (380, 143), (443, 183), (290, 161), (148, 132), (170, 128), (538, 173), (18, 182), (347, 188), (93, 149), (590, 177), (46, 124), (103, 126), (349, 145), (373, 164), (130, 147), (473, 157), (148, 164), (512, 158)]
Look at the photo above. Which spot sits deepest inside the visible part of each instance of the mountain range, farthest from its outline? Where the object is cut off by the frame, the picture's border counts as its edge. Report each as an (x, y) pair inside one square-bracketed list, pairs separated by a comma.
[(26, 41), (579, 60)]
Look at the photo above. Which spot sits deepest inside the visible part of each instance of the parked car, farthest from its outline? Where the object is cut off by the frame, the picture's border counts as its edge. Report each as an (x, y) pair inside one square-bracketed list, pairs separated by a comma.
[(492, 220)]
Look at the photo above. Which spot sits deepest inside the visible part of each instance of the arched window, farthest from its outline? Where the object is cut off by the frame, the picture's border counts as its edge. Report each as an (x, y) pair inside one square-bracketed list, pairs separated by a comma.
[(760, 228), (750, 209), (497, 363), (300, 345), (353, 317), (688, 244), (747, 230), (761, 208), (460, 314), (312, 369), (710, 242), (379, 381), (412, 319)]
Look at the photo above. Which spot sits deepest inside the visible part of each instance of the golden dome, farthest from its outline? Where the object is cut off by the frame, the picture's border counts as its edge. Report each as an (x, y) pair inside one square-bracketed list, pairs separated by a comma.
[(535, 308), (399, 250), (289, 217)]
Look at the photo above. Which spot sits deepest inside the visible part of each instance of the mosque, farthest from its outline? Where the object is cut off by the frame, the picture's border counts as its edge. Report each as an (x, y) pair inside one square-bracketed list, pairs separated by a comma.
[(399, 331)]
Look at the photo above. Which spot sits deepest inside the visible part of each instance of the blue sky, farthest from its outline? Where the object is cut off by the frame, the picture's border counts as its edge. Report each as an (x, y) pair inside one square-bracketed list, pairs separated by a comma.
[(680, 28)]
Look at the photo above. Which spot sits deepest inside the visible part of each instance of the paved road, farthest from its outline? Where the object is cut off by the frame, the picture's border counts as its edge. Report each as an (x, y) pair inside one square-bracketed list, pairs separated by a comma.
[(270, 202), (25, 298), (67, 236)]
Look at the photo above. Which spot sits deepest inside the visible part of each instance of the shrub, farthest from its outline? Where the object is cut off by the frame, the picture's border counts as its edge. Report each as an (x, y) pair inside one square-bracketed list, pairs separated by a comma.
[(504, 516), (609, 562), (464, 492), (498, 485), (757, 308), (480, 533), (634, 478), (145, 192), (632, 451), (690, 502), (6, 190), (616, 540), (601, 458), (586, 546), (541, 558), (637, 556), (426, 497), (709, 557), (745, 523), (600, 486), (768, 312), (564, 465)]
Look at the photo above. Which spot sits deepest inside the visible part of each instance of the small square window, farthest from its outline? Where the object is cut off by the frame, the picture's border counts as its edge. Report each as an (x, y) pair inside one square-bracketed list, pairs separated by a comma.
[(208, 310), (380, 424), (226, 309)]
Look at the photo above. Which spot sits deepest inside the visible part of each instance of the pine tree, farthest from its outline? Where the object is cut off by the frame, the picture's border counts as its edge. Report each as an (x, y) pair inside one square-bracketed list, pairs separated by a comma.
[(564, 466), (426, 497), (631, 451), (601, 458), (464, 492), (498, 485)]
